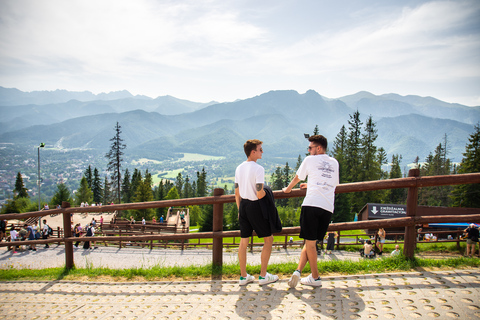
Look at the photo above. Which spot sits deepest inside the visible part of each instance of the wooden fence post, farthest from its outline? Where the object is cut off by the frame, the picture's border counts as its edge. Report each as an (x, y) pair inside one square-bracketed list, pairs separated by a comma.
[(338, 241), (217, 250), (412, 202), (67, 233)]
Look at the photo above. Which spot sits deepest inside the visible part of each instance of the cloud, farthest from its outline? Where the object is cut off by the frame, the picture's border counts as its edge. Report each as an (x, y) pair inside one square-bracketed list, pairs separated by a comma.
[(416, 38), (214, 47)]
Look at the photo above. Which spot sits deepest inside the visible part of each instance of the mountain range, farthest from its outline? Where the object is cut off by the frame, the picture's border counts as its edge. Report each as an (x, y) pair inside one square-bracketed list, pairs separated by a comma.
[(161, 127)]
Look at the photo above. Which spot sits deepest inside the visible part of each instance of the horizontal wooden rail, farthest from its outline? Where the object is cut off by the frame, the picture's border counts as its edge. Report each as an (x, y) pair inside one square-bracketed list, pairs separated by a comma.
[(278, 194)]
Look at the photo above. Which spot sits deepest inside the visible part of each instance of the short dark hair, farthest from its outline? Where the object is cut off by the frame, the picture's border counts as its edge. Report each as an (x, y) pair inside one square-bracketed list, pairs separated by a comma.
[(319, 140), (251, 145)]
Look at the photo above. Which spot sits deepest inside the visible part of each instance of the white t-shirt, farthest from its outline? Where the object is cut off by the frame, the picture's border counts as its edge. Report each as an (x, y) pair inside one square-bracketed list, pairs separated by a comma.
[(247, 175), (322, 172)]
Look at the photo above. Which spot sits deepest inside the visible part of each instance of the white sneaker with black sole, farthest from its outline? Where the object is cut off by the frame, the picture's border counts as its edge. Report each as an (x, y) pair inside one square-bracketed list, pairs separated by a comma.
[(292, 283), (246, 280), (269, 278), (310, 281)]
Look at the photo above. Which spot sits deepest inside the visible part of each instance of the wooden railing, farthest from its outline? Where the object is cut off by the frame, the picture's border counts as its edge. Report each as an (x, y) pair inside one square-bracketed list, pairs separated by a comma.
[(413, 182)]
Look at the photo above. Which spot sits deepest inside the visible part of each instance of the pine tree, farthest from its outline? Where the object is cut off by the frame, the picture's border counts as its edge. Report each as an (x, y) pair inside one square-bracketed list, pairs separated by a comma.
[(148, 178), (299, 162), (371, 167), (62, 194), (97, 187), (88, 175), (194, 189), (172, 194), (179, 184), (436, 164), (396, 196), (187, 188), (159, 196), (84, 193), (286, 175), (20, 191), (202, 186), (136, 179), (382, 159), (144, 194), (126, 190), (115, 159), (468, 195), (107, 193), (167, 186), (276, 179), (342, 201), (353, 154)]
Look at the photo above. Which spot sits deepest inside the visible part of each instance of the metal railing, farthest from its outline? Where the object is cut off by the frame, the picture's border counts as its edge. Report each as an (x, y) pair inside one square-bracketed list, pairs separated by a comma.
[(413, 182)]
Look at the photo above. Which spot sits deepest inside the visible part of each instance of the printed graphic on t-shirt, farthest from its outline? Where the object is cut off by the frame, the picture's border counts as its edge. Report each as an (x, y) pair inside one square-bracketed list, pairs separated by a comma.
[(327, 169)]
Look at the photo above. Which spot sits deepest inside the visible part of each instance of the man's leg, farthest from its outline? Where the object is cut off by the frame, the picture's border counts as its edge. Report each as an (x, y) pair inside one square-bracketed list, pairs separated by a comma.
[(303, 259), (266, 252), (242, 256), (311, 253)]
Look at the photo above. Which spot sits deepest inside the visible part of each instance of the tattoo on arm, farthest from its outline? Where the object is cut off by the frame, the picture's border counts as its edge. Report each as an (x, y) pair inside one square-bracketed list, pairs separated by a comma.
[(236, 185), (259, 186)]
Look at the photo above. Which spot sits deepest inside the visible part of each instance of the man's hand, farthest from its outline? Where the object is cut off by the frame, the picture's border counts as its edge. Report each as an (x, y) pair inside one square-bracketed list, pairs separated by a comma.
[(303, 186), (286, 190)]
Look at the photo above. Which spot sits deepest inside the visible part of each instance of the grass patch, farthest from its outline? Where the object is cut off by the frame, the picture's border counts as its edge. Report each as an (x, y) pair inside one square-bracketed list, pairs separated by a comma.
[(231, 271)]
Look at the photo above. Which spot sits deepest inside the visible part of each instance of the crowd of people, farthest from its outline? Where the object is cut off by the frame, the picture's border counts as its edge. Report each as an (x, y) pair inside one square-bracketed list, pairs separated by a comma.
[(85, 232), (26, 232)]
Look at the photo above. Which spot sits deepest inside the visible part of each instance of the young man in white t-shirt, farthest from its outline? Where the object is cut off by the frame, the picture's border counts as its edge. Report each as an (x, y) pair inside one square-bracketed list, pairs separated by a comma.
[(249, 180), (317, 207)]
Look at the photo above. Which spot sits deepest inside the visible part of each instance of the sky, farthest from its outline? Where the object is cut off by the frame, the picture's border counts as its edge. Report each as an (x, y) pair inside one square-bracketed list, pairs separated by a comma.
[(225, 50)]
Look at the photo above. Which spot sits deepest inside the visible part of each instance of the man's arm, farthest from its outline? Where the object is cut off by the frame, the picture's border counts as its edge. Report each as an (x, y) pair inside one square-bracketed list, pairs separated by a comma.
[(260, 192), (237, 196), (292, 184)]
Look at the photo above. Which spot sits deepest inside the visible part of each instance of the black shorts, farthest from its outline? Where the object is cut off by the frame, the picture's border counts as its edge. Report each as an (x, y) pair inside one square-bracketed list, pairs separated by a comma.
[(314, 223), (251, 218)]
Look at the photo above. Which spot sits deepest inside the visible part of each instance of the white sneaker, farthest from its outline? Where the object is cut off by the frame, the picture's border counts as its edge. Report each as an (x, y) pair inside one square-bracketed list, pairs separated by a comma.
[(269, 278), (245, 280), (292, 283), (310, 281)]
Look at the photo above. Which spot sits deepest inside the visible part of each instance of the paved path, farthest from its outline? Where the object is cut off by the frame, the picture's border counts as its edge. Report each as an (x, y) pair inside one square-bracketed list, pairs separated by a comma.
[(428, 295)]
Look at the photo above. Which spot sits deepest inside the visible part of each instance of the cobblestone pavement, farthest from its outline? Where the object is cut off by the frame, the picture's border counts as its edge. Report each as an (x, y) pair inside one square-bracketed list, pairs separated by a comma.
[(432, 295), (428, 295)]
